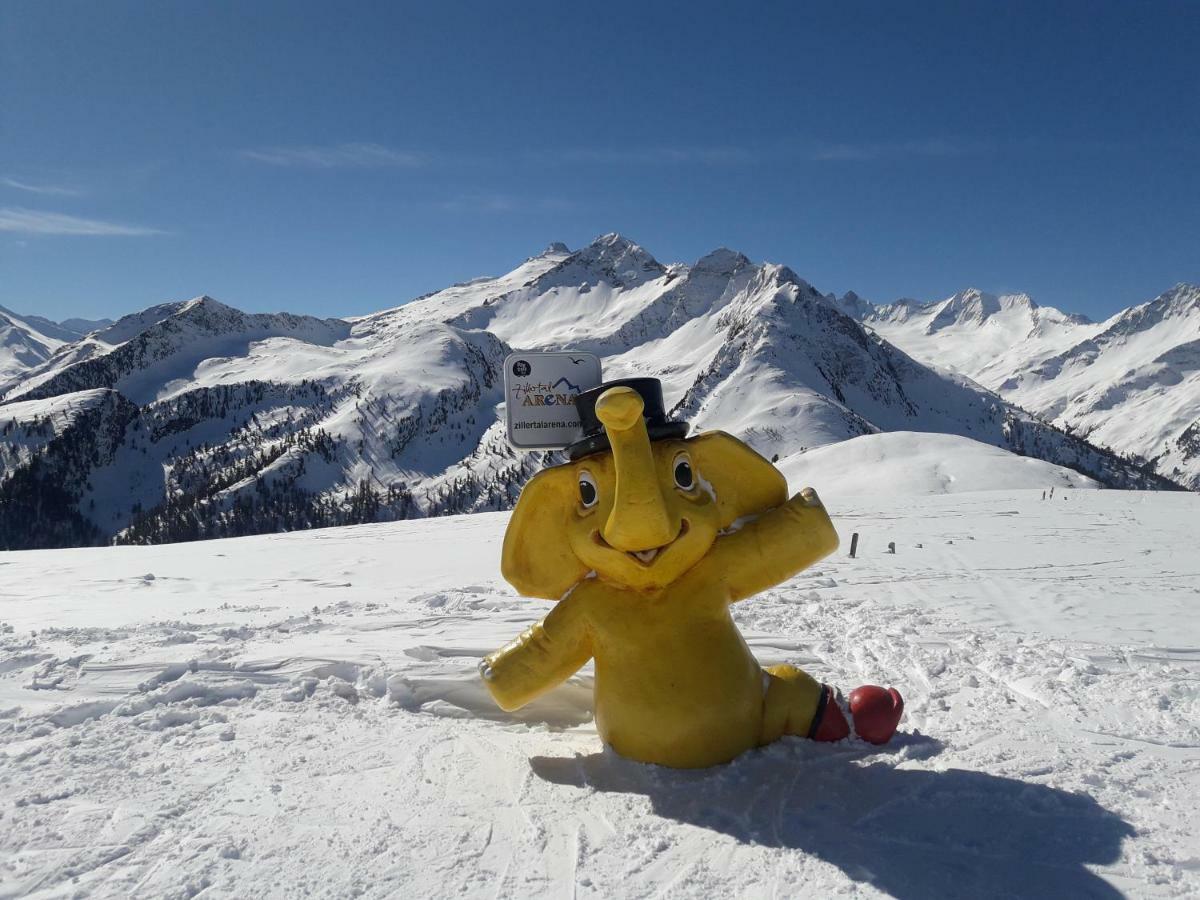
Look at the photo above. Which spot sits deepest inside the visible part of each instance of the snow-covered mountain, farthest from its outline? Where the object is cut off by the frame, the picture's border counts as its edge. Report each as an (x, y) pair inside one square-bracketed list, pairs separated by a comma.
[(153, 354), (193, 419), (1005, 332), (27, 341), (1131, 383), (236, 423)]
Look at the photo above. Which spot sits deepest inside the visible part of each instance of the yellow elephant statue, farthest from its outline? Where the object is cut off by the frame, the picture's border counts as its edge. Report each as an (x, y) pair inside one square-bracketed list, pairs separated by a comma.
[(645, 539)]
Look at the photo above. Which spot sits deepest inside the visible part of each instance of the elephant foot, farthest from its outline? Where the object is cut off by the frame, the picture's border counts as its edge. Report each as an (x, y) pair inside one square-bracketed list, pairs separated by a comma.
[(875, 711)]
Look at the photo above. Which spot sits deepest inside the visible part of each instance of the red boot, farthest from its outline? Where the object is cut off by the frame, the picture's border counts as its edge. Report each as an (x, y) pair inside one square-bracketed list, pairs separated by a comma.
[(876, 712), (828, 724)]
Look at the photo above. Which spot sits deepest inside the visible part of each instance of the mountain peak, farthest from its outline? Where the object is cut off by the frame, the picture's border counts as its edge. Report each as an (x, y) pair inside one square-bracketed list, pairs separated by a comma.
[(205, 306), (1183, 298), (84, 327), (852, 305), (612, 239), (1181, 301), (202, 300), (972, 295), (722, 261), (616, 259), (613, 245), (972, 305), (554, 248), (56, 331), (785, 275), (1018, 301)]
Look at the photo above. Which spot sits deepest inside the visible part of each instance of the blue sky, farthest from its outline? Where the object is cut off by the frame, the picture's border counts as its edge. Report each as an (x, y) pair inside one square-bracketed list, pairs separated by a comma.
[(341, 158)]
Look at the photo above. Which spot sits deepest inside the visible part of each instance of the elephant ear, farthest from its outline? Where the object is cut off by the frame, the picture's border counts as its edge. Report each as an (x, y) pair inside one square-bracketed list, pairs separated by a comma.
[(537, 558), (745, 483)]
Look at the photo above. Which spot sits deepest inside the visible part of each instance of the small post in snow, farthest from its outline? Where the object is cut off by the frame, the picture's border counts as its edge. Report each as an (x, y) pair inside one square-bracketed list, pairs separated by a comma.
[(853, 544)]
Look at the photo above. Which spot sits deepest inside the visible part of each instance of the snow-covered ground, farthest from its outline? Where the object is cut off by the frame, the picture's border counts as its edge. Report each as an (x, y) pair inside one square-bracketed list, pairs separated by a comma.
[(299, 714)]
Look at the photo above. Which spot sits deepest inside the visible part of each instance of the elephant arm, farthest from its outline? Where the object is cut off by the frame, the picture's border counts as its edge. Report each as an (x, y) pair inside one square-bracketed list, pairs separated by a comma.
[(540, 657), (774, 547)]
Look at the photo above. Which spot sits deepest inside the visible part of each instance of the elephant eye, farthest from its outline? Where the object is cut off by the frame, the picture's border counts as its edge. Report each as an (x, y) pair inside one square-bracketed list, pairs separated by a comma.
[(684, 477), (587, 489)]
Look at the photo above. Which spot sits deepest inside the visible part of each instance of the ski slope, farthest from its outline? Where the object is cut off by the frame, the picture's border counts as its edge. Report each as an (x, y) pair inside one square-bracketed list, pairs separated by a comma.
[(299, 714)]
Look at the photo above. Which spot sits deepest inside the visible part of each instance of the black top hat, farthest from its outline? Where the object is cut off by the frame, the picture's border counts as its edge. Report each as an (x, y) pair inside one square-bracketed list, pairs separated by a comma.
[(658, 426)]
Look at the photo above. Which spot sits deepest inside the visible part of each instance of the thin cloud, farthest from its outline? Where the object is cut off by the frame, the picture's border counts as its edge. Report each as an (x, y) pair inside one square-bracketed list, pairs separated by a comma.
[(868, 151), (49, 190), (773, 152), (652, 155), (502, 203), (337, 156), (31, 221), (480, 203), (379, 156)]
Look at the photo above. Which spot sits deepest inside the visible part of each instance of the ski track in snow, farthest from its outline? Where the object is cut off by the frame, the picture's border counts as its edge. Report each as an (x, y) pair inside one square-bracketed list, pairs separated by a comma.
[(299, 715)]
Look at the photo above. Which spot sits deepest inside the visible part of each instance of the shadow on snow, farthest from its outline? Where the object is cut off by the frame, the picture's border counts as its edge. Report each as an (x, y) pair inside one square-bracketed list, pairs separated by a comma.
[(913, 833)]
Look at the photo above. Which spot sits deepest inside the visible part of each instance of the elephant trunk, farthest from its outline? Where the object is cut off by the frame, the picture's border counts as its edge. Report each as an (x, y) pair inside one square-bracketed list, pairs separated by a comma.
[(639, 519)]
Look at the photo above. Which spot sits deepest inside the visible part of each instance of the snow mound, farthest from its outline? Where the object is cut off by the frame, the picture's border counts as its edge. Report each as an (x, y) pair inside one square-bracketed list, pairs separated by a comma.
[(914, 464)]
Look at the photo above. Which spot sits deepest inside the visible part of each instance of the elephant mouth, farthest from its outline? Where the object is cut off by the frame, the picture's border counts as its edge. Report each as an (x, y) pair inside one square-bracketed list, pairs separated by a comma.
[(644, 557)]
